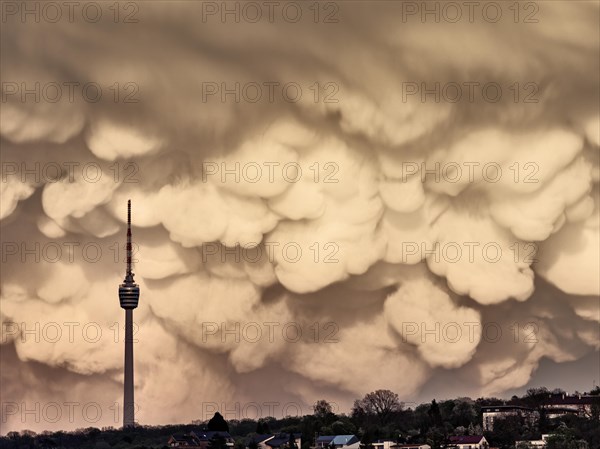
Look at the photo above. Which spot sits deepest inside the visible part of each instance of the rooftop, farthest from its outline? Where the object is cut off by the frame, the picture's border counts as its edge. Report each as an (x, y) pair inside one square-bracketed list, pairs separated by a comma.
[(261, 438), (344, 439), (504, 407), (281, 439), (565, 399), (466, 439)]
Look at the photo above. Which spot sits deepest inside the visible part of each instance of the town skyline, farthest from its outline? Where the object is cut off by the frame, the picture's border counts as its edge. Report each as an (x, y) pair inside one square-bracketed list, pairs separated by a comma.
[(542, 417), (325, 199)]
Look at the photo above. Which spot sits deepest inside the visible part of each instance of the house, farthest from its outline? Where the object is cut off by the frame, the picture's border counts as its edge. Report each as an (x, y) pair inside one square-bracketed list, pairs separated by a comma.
[(345, 441), (337, 441), (493, 412), (411, 446), (260, 441), (558, 405), (324, 441), (282, 440), (533, 443), (468, 442), (186, 441), (384, 444), (205, 436), (200, 439)]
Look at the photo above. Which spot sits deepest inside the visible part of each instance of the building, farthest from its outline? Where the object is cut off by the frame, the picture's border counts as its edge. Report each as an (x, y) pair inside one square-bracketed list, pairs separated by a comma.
[(554, 406), (411, 446), (494, 412), (337, 441), (468, 442), (324, 441), (282, 441), (384, 444), (260, 441), (200, 440), (533, 444), (187, 441), (206, 436), (558, 405)]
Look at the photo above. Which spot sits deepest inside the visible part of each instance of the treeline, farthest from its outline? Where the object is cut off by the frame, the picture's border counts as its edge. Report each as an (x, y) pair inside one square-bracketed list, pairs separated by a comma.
[(378, 415)]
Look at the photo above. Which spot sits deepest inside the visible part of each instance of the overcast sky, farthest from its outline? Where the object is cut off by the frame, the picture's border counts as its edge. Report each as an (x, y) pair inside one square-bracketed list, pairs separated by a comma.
[(328, 198)]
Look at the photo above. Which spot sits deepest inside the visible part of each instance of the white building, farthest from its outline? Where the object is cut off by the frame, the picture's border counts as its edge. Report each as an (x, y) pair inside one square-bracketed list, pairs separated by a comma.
[(412, 446), (468, 442), (533, 443), (558, 405), (384, 444), (491, 413)]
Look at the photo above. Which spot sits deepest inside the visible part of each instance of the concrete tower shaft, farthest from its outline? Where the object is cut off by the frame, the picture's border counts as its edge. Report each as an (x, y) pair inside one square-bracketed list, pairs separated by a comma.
[(129, 293)]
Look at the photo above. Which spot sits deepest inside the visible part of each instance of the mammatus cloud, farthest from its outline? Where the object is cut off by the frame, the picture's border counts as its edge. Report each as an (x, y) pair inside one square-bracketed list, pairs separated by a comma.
[(381, 240)]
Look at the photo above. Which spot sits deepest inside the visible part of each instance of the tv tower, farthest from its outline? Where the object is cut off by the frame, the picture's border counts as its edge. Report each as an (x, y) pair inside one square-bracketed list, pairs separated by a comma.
[(129, 293)]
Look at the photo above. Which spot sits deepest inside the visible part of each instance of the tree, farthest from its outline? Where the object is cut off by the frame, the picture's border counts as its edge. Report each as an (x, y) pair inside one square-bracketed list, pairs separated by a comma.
[(460, 430), (322, 408), (595, 411), (217, 442), (218, 423), (463, 414), (475, 429), (292, 442), (535, 397), (435, 416), (266, 428), (507, 431), (381, 403), (343, 426), (323, 413), (366, 442), (565, 438), (436, 438)]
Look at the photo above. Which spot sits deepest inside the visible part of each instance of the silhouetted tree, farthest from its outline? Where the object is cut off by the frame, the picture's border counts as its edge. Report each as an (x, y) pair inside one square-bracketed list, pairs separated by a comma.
[(463, 413), (506, 431), (343, 426), (217, 442), (323, 413), (322, 408), (535, 397), (218, 423), (292, 442), (266, 428), (380, 403), (435, 416)]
